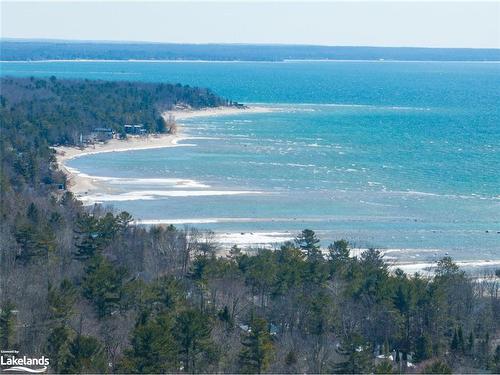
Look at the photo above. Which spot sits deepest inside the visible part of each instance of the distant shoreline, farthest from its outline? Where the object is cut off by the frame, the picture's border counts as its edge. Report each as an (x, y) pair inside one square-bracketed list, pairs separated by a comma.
[(81, 184), (249, 61)]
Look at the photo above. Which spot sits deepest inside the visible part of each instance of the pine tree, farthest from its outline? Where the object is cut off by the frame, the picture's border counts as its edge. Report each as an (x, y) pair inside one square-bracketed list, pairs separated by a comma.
[(26, 237), (357, 357), (309, 244), (460, 337), (58, 347), (454, 342), (153, 348), (258, 348), (470, 343), (446, 268), (437, 367), (192, 332), (401, 300), (234, 253), (87, 237), (225, 317), (107, 228), (85, 355), (291, 358), (103, 285), (123, 219), (384, 367), (338, 256), (61, 300), (339, 250), (7, 323), (32, 213), (496, 361), (423, 348)]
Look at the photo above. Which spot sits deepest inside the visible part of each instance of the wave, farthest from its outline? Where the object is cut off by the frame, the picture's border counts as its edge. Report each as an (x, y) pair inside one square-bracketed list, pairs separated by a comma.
[(277, 164), (168, 182), (303, 106), (214, 220), (454, 196), (430, 267), (155, 194), (376, 204), (174, 143), (254, 238), (175, 221)]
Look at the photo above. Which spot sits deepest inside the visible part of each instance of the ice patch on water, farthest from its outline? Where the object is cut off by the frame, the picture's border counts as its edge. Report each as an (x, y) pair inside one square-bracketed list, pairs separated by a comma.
[(300, 165), (428, 268), (311, 107), (165, 182), (376, 204), (175, 221), (156, 194), (453, 196), (170, 182), (253, 238)]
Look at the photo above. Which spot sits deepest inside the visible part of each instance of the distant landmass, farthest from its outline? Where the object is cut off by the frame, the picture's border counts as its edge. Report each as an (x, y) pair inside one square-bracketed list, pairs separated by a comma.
[(27, 50)]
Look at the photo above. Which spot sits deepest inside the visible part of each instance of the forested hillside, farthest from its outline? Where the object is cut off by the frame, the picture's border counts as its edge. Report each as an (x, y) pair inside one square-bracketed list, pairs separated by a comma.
[(96, 294), (26, 50), (61, 109)]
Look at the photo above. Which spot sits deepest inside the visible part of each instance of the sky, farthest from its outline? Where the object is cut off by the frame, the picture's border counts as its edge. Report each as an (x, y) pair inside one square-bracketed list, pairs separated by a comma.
[(471, 24)]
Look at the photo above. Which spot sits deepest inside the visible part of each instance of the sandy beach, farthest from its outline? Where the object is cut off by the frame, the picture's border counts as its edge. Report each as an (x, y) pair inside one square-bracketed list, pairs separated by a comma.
[(81, 184)]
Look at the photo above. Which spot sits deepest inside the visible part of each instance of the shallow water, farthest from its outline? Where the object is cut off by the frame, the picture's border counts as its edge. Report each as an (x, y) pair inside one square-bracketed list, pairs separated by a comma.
[(396, 155)]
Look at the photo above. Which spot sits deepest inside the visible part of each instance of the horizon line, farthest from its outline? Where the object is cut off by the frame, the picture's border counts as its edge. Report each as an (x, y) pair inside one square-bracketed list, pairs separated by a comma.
[(103, 41)]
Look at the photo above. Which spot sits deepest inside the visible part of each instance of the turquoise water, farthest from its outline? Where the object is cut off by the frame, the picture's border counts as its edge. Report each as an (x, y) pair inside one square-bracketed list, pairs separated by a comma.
[(395, 155)]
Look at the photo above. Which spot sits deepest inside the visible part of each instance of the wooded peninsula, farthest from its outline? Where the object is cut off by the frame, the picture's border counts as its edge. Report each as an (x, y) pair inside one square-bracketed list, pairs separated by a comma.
[(94, 293)]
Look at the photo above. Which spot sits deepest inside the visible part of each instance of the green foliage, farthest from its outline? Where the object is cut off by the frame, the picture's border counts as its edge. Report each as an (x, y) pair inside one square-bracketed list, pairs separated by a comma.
[(63, 108), (161, 125), (87, 238), (58, 343), (123, 219), (260, 272), (103, 285), (7, 324), (319, 319), (94, 234), (153, 347), (192, 333), (458, 343), (309, 244), (423, 348), (339, 257), (258, 349), (437, 367), (446, 267), (225, 316), (61, 300), (291, 358), (356, 356), (234, 253), (290, 270), (496, 360), (85, 355), (185, 321), (384, 367), (35, 241)]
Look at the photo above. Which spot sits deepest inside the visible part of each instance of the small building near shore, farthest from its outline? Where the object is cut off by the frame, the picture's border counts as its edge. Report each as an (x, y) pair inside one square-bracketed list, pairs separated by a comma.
[(97, 135), (137, 129), (102, 134)]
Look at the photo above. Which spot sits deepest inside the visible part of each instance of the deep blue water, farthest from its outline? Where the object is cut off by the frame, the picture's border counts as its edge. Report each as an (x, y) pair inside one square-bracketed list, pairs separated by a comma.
[(397, 155)]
